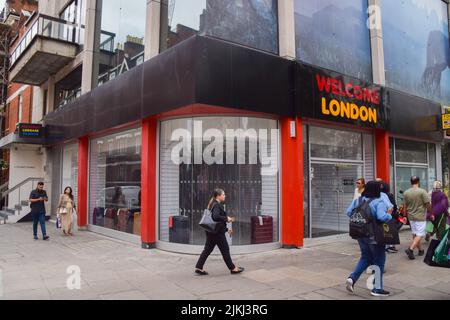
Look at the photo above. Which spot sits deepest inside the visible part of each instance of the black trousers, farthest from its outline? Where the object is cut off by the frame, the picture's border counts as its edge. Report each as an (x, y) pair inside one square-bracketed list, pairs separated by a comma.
[(211, 241)]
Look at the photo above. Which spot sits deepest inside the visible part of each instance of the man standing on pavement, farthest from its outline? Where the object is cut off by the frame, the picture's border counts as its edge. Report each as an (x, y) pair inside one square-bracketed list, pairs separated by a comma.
[(417, 202), (38, 198)]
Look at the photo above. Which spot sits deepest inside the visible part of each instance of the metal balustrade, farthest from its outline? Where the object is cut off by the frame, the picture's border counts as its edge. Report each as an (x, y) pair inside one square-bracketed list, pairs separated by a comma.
[(48, 27)]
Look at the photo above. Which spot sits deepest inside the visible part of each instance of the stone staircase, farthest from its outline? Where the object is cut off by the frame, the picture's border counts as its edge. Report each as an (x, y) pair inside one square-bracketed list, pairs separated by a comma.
[(15, 213)]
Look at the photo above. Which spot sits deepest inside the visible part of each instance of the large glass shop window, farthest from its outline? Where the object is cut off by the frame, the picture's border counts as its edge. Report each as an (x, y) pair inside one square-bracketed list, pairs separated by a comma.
[(70, 169), (115, 182), (334, 35), (417, 48), (198, 155), (253, 23), (414, 158), (121, 37)]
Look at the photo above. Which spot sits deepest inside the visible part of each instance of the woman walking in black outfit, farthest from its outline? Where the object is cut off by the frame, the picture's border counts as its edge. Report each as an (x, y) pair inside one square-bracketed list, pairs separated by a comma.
[(219, 239)]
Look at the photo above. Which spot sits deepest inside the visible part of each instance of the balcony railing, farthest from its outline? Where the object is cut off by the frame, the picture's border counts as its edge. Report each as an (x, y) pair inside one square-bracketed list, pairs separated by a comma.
[(48, 27), (107, 41)]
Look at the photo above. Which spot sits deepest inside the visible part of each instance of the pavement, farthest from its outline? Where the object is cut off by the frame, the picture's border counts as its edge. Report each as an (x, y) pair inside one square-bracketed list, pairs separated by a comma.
[(111, 269)]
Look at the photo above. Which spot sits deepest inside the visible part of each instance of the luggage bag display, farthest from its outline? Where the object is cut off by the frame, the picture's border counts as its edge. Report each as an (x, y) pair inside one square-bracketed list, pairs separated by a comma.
[(122, 219), (179, 229), (110, 218), (98, 216), (261, 229)]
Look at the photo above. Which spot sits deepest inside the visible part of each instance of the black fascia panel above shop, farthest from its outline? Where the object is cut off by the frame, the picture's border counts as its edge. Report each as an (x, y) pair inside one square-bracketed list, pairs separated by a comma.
[(199, 70), (327, 95), (239, 77), (413, 116)]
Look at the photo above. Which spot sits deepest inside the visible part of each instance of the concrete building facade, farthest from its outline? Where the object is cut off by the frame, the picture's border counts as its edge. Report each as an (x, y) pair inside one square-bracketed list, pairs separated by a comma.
[(340, 94)]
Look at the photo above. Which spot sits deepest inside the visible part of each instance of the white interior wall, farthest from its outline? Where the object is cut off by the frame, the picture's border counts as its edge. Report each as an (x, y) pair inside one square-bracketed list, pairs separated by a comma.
[(26, 162)]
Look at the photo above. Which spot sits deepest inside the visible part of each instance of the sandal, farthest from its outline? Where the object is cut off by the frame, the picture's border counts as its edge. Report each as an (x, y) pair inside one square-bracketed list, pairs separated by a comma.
[(201, 272), (240, 270)]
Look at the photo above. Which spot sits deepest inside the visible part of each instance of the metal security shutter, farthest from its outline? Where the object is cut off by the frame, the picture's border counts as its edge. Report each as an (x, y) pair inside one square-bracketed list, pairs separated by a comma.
[(369, 157), (169, 204)]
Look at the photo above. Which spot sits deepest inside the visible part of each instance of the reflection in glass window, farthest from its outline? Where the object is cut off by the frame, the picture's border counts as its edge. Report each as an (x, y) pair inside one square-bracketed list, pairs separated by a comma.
[(417, 55), (335, 144), (334, 35), (414, 159), (250, 182), (253, 23), (410, 151), (404, 175), (115, 182), (74, 13), (121, 37), (70, 169), (69, 88)]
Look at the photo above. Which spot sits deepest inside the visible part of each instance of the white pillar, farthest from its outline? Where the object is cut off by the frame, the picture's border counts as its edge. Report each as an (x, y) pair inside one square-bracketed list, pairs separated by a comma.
[(91, 46), (286, 23), (152, 29), (376, 42)]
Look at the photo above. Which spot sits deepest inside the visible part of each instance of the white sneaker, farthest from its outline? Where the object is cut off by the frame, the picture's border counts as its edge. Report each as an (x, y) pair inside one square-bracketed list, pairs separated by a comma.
[(369, 270), (350, 286)]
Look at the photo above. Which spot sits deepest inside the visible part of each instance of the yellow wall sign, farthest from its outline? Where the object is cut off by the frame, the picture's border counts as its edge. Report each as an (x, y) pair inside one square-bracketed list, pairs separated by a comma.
[(446, 121)]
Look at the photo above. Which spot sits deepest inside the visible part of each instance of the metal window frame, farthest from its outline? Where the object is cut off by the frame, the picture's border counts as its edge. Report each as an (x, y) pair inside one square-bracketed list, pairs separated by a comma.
[(312, 160)]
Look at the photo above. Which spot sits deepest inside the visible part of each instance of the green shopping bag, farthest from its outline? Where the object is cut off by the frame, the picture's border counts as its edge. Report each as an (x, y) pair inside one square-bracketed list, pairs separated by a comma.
[(441, 253), (430, 227)]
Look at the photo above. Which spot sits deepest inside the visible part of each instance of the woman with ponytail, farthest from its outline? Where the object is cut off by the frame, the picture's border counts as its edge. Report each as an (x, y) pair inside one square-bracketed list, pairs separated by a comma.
[(219, 239)]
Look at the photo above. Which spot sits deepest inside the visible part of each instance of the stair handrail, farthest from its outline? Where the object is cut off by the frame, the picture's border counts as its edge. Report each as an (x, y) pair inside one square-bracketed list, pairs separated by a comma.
[(7, 192), (4, 186)]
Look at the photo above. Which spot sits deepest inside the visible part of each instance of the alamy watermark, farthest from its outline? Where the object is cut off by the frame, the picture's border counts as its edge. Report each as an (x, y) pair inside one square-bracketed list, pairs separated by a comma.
[(374, 20), (190, 147), (74, 280), (374, 281)]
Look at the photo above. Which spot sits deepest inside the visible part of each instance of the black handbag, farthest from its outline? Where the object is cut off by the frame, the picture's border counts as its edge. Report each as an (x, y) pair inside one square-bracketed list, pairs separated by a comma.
[(208, 224), (386, 233)]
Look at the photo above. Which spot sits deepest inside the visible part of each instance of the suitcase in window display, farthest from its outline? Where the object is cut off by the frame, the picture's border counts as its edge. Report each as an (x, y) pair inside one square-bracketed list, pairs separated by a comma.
[(98, 216), (137, 223), (110, 219), (179, 229), (122, 219), (261, 229), (131, 220)]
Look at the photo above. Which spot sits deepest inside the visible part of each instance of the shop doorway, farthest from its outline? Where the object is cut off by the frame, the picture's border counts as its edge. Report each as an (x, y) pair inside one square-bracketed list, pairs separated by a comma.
[(334, 160), (332, 190)]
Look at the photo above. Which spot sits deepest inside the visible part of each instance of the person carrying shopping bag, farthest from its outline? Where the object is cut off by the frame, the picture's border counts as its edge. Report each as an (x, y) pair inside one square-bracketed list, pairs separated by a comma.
[(66, 208), (372, 253), (437, 217), (218, 238)]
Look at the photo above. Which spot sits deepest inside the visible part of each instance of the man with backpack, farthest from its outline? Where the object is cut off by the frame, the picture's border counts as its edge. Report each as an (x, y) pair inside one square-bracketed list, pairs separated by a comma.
[(363, 213)]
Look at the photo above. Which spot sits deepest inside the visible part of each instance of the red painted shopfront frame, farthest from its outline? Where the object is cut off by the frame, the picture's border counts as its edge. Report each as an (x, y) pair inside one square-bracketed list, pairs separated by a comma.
[(291, 173)]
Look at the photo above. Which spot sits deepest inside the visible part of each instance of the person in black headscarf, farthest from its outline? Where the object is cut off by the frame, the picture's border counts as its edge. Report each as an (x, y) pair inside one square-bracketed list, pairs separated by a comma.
[(371, 252)]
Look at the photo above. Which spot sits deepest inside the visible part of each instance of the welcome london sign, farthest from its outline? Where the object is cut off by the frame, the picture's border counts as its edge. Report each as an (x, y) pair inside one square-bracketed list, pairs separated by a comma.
[(327, 95)]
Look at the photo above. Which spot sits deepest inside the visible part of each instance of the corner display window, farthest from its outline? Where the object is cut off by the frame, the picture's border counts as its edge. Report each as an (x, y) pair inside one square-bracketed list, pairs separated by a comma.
[(246, 169)]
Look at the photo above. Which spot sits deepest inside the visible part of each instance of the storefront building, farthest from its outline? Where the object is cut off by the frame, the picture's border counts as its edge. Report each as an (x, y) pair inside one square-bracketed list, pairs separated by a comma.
[(284, 117)]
